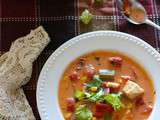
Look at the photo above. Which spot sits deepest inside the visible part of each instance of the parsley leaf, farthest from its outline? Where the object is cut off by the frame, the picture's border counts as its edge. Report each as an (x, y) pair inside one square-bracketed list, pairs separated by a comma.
[(114, 100), (83, 113)]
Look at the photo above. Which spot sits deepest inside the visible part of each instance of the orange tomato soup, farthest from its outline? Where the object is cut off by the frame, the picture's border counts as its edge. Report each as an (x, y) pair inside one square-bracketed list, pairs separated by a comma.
[(81, 71)]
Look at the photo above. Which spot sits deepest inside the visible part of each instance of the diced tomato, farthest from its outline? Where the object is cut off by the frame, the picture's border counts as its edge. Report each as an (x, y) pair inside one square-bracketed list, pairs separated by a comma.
[(99, 114), (70, 108), (74, 76), (140, 101), (70, 104), (116, 61), (101, 107), (113, 89), (104, 85), (90, 71)]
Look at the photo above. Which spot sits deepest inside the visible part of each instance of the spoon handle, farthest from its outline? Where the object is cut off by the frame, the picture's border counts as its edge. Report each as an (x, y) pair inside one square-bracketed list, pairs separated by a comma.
[(149, 22)]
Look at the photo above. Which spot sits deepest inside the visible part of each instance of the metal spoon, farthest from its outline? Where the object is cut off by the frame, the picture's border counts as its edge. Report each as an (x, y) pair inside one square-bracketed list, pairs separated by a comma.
[(137, 6)]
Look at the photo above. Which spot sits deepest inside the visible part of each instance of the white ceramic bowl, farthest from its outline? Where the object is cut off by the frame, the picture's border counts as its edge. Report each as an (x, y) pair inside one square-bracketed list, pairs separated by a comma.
[(47, 89)]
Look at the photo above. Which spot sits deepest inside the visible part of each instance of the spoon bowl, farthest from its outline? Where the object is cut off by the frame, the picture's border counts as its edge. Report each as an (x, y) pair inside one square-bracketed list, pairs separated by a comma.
[(134, 7), (141, 16), (137, 14)]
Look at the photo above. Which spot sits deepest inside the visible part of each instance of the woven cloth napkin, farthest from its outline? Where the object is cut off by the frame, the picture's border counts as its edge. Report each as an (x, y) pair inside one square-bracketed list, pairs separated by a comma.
[(15, 71), (60, 18)]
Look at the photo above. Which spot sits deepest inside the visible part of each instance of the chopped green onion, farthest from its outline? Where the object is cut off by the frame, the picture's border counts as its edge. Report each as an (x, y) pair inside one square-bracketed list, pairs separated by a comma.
[(96, 82), (96, 96), (87, 94)]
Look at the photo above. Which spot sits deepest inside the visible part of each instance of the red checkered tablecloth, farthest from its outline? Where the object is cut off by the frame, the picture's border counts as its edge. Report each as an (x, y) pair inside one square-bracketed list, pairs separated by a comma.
[(60, 18)]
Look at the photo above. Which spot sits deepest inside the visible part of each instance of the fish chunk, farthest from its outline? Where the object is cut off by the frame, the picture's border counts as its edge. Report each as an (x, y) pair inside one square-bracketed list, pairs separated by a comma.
[(132, 90)]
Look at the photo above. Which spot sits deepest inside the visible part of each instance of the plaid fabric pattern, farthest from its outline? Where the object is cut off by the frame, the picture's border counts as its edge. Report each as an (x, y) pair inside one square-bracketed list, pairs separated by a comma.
[(60, 18)]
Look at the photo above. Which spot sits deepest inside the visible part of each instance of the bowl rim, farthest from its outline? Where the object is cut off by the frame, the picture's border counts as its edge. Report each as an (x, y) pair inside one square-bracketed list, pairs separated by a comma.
[(73, 41)]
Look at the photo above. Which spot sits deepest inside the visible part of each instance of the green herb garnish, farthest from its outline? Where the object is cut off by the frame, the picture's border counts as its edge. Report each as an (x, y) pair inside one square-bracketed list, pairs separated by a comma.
[(96, 82), (86, 17), (96, 96), (114, 100), (83, 113)]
